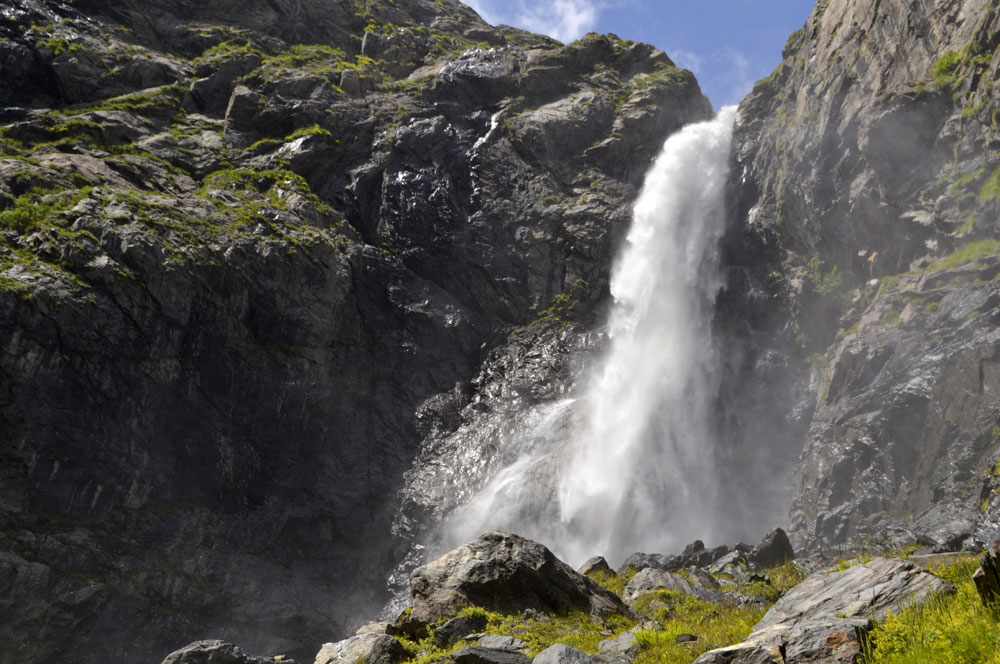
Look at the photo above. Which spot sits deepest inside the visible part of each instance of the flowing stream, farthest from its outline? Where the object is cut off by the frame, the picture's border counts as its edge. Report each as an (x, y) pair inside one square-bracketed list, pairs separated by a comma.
[(634, 469)]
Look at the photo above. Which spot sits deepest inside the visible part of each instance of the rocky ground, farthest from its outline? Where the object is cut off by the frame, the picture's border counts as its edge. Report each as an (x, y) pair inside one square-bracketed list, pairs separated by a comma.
[(503, 599)]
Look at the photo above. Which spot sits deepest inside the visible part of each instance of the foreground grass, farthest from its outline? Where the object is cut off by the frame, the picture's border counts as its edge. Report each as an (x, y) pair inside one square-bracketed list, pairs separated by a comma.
[(676, 614), (948, 628)]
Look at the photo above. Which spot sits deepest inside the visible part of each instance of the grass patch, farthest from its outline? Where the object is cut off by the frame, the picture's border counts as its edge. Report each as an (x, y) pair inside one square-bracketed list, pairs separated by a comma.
[(676, 613), (944, 68), (970, 253), (948, 628), (991, 188), (614, 582)]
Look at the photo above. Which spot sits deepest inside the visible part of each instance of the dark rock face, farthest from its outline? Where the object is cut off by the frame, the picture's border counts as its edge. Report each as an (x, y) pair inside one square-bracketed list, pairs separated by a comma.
[(866, 163), (824, 618), (266, 277), (501, 571)]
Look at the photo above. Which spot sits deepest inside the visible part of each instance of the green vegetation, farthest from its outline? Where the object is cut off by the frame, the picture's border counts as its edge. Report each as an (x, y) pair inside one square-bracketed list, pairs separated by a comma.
[(164, 101), (944, 68), (37, 209), (614, 582), (991, 188), (824, 282), (576, 629), (948, 628), (970, 253), (676, 613)]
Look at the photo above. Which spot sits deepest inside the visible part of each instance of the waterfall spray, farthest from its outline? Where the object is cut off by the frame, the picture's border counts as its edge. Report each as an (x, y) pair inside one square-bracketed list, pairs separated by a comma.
[(633, 470)]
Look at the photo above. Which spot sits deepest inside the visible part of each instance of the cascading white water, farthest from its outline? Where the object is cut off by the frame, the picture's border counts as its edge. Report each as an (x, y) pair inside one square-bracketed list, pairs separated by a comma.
[(641, 473), (633, 470)]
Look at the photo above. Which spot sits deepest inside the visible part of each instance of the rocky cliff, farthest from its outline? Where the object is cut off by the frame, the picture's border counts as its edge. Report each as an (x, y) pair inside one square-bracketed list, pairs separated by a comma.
[(869, 180), (251, 254)]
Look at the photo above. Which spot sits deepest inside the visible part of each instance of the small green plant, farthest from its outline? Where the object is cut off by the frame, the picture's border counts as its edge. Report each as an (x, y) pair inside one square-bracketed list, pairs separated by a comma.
[(944, 68), (824, 282)]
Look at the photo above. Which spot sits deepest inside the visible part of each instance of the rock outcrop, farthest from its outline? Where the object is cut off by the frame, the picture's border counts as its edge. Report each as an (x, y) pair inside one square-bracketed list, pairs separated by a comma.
[(987, 577), (824, 618), (255, 257), (218, 652), (368, 648), (503, 572)]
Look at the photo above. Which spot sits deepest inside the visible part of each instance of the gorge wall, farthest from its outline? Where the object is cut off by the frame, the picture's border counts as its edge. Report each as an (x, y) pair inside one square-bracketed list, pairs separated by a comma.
[(281, 280), (869, 171)]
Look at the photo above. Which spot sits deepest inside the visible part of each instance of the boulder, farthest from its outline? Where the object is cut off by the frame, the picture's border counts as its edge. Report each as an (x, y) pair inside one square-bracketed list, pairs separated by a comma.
[(500, 642), (457, 628), (596, 564), (641, 561), (773, 550), (650, 580), (369, 648), (987, 577), (624, 644), (216, 652), (825, 618), (481, 655), (501, 571), (561, 653)]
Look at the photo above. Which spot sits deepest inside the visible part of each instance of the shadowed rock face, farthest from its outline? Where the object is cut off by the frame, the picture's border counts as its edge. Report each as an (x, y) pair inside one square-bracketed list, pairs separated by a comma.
[(867, 162), (235, 300)]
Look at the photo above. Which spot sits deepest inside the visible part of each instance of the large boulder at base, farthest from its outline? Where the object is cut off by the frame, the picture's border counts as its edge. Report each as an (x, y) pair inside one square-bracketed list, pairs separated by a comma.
[(503, 572), (987, 577), (773, 550), (367, 648), (216, 652), (824, 618), (650, 580)]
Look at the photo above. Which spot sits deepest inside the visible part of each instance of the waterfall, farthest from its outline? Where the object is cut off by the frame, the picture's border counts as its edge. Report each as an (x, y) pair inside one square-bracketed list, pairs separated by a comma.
[(634, 471), (641, 474)]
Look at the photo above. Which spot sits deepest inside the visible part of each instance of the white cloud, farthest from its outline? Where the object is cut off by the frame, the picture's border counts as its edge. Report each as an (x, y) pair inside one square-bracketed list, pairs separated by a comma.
[(565, 20), (725, 75), (686, 60)]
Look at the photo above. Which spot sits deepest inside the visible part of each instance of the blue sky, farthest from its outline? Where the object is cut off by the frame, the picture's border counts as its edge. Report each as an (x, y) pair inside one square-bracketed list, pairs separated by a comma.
[(728, 44)]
